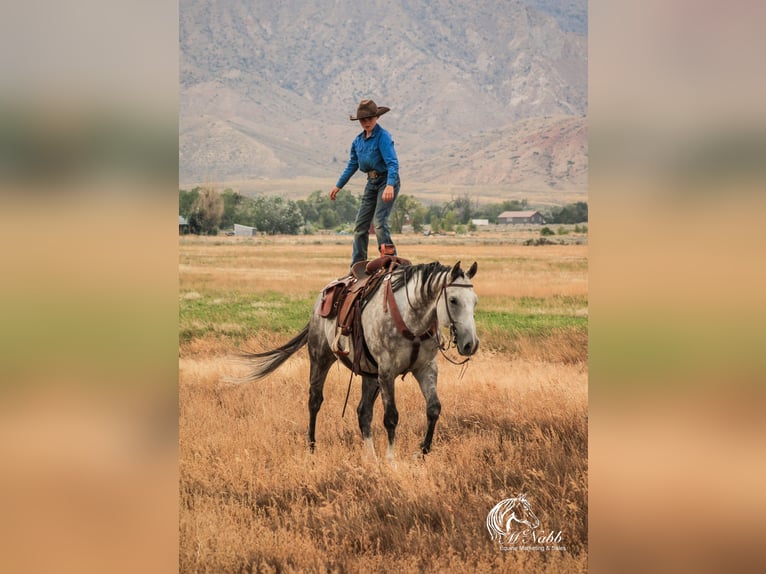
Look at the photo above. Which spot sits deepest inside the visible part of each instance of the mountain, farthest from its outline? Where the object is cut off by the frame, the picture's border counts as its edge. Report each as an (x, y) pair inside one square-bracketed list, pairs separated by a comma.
[(547, 152), (484, 92)]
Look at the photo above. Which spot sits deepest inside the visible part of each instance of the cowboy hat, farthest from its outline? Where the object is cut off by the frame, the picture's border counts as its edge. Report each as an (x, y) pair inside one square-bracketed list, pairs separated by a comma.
[(368, 109)]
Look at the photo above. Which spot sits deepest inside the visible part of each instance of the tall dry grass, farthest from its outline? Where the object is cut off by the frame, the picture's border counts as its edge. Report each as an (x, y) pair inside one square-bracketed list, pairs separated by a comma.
[(254, 499)]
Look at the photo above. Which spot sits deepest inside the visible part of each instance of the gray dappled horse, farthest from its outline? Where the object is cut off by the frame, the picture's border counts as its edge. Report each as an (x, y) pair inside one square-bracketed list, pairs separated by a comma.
[(426, 297)]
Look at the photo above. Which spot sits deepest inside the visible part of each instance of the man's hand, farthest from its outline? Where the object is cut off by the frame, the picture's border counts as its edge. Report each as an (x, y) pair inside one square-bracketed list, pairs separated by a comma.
[(333, 192), (388, 193)]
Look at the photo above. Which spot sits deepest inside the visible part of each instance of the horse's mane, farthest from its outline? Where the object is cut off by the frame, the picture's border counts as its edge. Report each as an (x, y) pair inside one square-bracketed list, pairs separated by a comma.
[(431, 276)]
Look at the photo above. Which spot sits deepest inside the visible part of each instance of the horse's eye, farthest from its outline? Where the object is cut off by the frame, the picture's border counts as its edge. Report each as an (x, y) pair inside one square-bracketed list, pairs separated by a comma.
[(453, 300)]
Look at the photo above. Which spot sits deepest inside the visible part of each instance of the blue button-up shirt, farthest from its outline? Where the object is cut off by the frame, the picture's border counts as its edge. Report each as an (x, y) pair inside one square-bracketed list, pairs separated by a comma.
[(374, 153)]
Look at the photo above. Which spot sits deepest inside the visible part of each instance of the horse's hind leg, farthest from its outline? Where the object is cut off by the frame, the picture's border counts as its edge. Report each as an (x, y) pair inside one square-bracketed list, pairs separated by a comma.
[(426, 377), (321, 361), (370, 391)]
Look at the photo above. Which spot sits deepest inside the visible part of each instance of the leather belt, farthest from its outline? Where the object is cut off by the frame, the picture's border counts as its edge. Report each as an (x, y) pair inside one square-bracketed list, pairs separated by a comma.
[(372, 174)]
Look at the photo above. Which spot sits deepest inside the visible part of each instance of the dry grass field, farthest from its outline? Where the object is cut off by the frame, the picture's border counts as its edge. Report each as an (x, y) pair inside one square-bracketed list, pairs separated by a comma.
[(253, 498)]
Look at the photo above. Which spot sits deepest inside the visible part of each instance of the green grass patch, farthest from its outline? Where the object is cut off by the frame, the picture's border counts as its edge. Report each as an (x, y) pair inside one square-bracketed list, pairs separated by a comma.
[(237, 315), (555, 305), (562, 303), (534, 325)]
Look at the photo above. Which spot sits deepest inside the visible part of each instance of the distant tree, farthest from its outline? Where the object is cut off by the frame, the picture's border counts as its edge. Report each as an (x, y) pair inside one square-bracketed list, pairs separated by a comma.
[(186, 201), (404, 209), (434, 210), (345, 206), (206, 213), (463, 208), (435, 222), (232, 205), (570, 213), (515, 205), (449, 221), (275, 214), (419, 218), (328, 219), (308, 210), (292, 220)]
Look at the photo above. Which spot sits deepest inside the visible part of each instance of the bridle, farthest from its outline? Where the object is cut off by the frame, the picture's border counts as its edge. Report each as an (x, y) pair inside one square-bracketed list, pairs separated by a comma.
[(452, 329)]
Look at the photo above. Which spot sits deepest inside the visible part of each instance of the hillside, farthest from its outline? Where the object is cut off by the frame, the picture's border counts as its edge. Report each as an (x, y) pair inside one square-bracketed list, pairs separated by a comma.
[(491, 92)]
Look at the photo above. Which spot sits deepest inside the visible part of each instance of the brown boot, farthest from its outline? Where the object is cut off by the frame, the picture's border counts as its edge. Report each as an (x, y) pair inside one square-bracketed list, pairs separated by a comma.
[(387, 249)]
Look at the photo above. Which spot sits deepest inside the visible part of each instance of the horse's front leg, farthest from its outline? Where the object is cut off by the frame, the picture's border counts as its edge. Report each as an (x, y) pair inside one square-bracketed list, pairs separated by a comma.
[(390, 414), (370, 391), (426, 377)]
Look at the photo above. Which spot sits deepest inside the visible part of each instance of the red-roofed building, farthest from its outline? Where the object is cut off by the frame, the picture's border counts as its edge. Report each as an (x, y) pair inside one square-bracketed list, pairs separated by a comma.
[(511, 217)]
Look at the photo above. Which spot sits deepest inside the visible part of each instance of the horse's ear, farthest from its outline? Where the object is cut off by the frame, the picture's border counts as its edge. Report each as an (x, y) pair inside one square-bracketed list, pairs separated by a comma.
[(472, 271), (456, 271)]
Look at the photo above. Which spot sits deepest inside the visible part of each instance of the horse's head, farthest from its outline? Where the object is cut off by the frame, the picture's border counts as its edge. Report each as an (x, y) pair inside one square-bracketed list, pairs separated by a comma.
[(457, 309)]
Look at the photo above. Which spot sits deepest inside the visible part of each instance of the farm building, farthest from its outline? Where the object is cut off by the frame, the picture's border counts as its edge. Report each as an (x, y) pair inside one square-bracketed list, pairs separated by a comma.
[(244, 230), (480, 222), (511, 217)]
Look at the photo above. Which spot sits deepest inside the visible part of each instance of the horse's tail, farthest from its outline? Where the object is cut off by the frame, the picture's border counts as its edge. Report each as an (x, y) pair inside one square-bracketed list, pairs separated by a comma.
[(269, 361)]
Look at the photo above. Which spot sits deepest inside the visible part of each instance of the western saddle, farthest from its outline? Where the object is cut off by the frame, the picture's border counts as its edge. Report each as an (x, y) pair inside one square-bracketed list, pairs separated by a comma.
[(345, 297)]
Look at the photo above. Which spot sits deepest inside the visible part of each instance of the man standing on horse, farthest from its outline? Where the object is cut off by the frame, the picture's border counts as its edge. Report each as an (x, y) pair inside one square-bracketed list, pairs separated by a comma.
[(372, 152)]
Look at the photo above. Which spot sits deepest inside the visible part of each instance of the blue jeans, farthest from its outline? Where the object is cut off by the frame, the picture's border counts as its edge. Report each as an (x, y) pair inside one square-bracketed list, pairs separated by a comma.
[(373, 210)]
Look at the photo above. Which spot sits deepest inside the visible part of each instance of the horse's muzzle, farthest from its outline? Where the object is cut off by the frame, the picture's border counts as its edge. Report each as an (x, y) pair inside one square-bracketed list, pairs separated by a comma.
[(468, 348)]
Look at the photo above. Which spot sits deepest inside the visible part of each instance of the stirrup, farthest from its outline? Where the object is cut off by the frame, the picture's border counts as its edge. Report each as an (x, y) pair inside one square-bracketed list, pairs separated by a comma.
[(335, 347)]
